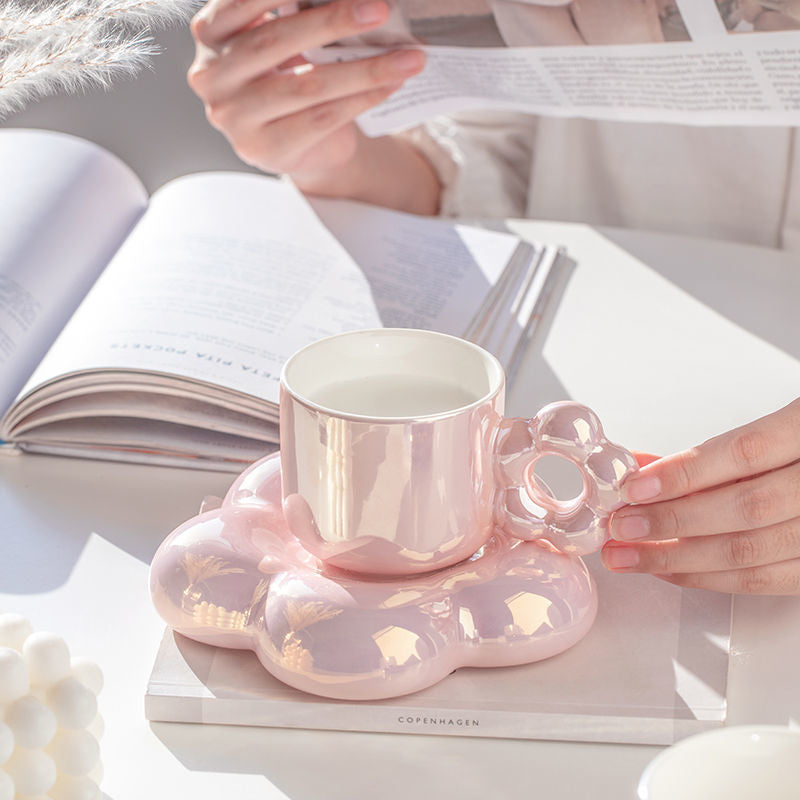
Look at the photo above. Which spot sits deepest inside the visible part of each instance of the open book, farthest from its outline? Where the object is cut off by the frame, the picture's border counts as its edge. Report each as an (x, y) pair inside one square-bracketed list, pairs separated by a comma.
[(155, 329)]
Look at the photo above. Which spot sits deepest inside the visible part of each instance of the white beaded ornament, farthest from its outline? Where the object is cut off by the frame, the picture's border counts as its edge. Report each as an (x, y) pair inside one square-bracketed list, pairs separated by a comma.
[(49, 725)]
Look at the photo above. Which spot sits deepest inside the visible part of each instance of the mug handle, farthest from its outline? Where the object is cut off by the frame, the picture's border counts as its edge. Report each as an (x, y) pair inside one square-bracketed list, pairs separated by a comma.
[(525, 508)]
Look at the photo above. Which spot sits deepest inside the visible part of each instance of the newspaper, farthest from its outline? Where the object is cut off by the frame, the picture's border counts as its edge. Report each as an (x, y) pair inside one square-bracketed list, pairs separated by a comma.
[(704, 62)]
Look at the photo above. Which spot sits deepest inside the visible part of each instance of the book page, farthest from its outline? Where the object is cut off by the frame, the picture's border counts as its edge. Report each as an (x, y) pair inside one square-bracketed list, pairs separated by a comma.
[(424, 273), (66, 205), (224, 277), (157, 442), (484, 285)]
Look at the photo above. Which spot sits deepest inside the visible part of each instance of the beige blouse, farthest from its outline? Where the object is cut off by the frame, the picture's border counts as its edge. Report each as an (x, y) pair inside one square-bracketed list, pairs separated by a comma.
[(738, 183)]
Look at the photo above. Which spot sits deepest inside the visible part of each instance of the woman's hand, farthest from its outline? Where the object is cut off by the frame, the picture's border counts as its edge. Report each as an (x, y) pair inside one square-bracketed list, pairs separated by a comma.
[(285, 115), (723, 516)]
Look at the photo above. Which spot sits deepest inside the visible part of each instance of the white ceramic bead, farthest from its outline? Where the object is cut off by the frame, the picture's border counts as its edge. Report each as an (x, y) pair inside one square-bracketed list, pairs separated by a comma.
[(68, 787), (48, 658), (97, 727), (6, 743), (74, 705), (6, 786), (32, 722), (97, 773), (88, 673), (74, 751), (33, 771), (47, 703), (14, 681), (14, 630)]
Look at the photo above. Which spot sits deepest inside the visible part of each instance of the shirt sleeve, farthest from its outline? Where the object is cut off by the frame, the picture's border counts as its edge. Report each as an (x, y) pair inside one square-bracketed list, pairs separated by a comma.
[(483, 160)]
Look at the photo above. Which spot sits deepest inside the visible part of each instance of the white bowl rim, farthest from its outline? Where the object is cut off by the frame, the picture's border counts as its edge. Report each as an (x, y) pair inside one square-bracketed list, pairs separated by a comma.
[(729, 731)]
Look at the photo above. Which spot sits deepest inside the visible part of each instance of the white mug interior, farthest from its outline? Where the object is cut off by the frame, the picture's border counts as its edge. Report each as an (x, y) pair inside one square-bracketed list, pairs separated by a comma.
[(392, 373)]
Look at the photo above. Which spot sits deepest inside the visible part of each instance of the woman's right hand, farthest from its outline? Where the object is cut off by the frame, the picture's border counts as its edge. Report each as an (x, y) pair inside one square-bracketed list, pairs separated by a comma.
[(279, 112)]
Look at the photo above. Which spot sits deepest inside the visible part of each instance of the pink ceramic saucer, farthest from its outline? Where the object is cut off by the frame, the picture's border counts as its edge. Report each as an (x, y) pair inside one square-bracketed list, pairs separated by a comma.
[(236, 577)]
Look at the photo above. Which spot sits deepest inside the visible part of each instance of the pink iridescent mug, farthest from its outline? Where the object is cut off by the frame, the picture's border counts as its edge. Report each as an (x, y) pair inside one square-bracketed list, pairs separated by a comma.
[(396, 458)]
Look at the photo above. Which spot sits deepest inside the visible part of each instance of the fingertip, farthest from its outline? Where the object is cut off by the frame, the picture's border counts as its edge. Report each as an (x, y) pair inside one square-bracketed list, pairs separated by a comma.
[(371, 12), (641, 487), (198, 24), (408, 62), (201, 28), (628, 527), (388, 90), (617, 557), (644, 459)]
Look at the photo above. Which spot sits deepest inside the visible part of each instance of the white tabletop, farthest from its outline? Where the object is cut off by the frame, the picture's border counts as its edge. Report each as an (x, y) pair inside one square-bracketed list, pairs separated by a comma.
[(669, 340)]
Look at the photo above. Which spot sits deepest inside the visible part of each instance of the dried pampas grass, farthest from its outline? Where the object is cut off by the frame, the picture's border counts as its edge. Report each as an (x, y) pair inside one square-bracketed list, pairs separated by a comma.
[(51, 46)]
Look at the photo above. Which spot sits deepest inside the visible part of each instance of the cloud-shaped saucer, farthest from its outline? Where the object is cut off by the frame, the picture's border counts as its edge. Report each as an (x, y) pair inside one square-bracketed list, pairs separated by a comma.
[(236, 577)]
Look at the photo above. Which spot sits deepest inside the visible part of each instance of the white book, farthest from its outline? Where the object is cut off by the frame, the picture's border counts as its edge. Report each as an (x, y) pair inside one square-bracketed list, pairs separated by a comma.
[(155, 328), (652, 670)]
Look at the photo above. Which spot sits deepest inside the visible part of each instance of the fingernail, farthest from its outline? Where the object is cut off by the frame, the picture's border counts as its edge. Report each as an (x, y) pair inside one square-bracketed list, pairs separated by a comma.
[(630, 527), (370, 12), (408, 61), (620, 557), (640, 488)]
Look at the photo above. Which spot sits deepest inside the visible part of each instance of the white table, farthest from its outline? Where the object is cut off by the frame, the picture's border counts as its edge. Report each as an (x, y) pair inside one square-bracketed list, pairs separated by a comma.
[(77, 537), (703, 338)]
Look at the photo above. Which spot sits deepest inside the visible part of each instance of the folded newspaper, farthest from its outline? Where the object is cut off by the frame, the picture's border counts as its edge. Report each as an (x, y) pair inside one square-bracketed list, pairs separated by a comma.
[(688, 61)]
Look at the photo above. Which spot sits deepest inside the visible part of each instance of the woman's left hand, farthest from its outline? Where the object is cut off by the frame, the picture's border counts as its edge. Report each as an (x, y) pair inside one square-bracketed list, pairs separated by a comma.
[(724, 515)]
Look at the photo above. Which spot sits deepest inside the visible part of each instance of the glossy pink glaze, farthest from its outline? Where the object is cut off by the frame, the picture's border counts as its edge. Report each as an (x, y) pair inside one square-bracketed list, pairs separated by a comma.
[(377, 553), (571, 431), (400, 495), (237, 577)]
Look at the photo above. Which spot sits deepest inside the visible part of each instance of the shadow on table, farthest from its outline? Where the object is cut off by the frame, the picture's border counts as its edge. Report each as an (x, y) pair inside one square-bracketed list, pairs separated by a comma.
[(653, 668), (322, 765), (535, 383), (720, 275), (48, 515)]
